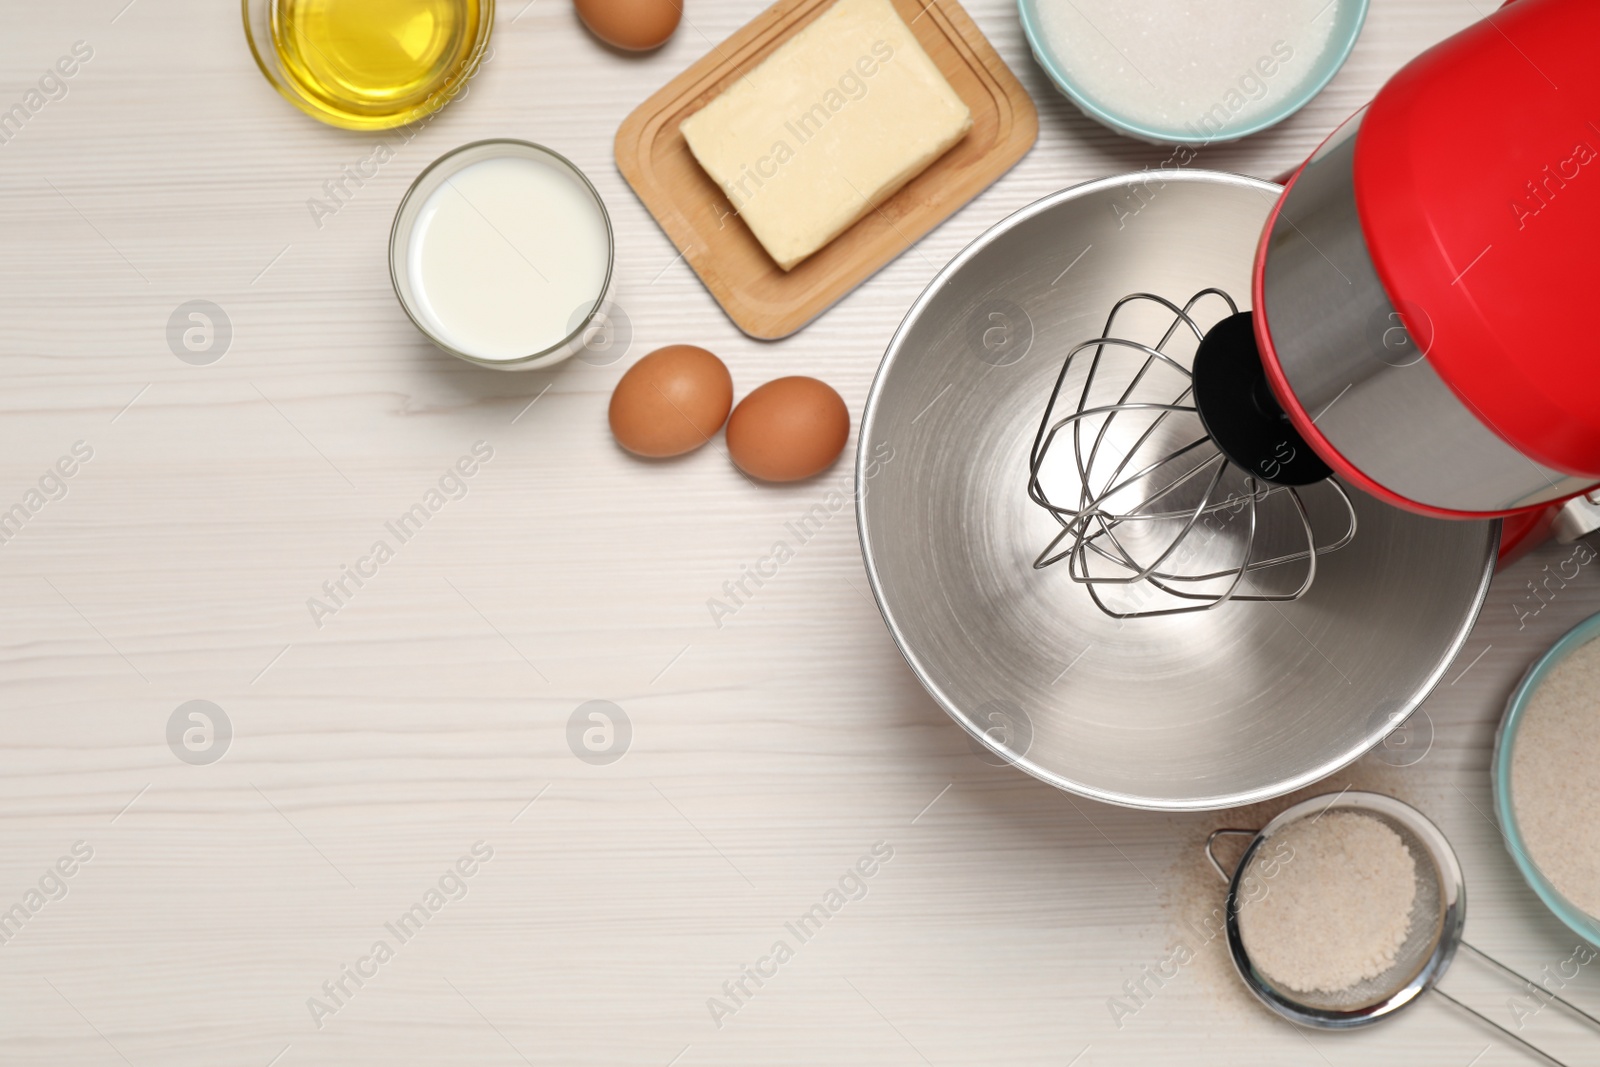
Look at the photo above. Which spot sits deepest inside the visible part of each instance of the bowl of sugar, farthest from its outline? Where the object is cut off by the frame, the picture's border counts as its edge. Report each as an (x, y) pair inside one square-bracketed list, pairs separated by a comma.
[(1191, 72), (502, 254), (1546, 791)]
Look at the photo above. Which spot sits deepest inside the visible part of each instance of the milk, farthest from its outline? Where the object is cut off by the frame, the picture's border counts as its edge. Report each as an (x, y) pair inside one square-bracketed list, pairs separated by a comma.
[(507, 257)]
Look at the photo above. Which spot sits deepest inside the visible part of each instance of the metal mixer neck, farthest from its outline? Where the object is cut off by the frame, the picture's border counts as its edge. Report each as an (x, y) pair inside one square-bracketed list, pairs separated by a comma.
[(1238, 409)]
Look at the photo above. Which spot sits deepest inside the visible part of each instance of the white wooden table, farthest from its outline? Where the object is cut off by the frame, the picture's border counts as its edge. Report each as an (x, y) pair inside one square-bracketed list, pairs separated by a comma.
[(431, 711)]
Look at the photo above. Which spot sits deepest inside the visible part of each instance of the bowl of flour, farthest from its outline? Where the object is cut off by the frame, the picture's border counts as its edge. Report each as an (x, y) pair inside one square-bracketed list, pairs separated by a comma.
[(1547, 778), (1191, 71)]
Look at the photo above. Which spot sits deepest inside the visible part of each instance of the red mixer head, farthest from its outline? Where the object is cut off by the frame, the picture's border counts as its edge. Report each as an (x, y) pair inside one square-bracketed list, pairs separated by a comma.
[(1422, 290), (1421, 328)]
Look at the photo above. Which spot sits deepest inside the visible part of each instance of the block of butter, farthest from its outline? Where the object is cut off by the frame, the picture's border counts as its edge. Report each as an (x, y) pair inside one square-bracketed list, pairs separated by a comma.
[(827, 127)]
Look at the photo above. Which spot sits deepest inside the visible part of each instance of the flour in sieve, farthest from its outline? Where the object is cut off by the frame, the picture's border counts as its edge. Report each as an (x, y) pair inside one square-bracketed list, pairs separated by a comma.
[(1335, 914), (1555, 788)]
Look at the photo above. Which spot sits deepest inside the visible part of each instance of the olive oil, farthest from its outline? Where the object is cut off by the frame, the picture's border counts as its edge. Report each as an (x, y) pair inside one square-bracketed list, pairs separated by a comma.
[(373, 64)]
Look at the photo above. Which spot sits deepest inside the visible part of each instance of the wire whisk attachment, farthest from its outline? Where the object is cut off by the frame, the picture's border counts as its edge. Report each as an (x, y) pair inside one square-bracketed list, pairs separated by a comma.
[(1162, 519)]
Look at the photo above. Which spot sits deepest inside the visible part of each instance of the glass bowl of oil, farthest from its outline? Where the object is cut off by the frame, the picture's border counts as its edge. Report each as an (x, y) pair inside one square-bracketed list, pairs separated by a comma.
[(368, 64)]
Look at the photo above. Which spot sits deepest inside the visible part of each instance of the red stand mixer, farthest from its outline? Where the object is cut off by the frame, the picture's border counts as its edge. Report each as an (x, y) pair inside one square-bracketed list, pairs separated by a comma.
[(1421, 330)]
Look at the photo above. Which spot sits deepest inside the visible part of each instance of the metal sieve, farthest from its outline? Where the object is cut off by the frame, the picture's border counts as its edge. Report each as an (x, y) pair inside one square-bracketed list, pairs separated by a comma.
[(1439, 912)]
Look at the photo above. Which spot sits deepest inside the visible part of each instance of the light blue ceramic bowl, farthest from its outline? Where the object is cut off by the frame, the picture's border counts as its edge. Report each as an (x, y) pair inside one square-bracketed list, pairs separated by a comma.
[(1581, 923), (1348, 16)]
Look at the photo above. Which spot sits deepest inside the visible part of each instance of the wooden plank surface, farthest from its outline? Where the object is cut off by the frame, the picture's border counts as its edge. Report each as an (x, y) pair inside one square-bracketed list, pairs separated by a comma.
[(431, 711)]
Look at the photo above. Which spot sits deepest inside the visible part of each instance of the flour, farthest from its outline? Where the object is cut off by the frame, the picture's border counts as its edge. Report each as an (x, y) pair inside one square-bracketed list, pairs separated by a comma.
[(1337, 914), (1555, 789), (1184, 66)]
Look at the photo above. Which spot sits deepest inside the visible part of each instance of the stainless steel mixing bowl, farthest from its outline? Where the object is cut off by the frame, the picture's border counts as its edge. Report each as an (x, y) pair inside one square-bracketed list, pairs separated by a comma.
[(1186, 712)]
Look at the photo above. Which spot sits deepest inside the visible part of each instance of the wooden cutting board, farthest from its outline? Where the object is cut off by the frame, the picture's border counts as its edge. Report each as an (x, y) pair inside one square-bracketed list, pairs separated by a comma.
[(763, 300)]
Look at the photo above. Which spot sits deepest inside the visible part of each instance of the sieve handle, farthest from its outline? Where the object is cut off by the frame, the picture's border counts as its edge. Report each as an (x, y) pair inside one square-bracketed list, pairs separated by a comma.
[(1525, 980), (1525, 1044), (1211, 852), (1521, 980)]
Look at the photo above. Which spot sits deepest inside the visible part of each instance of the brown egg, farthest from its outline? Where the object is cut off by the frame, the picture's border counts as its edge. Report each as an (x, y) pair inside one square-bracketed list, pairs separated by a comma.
[(671, 401), (632, 25), (788, 429)]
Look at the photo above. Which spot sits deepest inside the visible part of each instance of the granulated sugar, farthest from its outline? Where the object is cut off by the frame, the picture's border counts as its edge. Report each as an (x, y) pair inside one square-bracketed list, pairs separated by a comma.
[(1555, 788), (1335, 914), (1204, 68)]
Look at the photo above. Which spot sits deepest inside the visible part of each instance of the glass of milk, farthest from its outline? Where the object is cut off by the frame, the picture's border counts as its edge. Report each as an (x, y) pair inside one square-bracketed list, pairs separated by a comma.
[(502, 254)]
